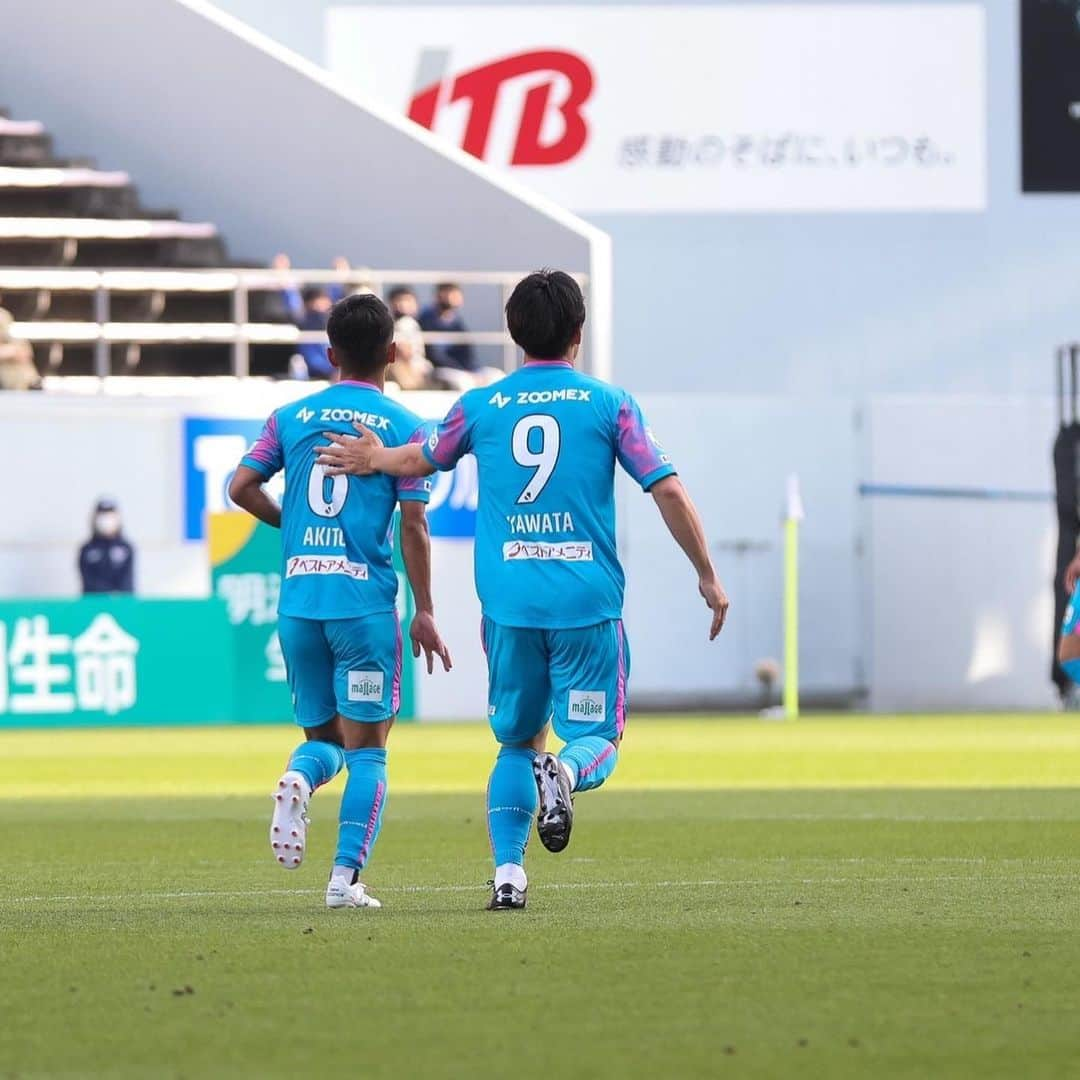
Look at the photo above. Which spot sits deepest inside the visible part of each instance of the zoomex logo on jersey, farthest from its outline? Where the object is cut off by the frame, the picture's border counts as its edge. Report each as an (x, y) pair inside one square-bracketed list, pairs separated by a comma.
[(547, 124), (588, 706)]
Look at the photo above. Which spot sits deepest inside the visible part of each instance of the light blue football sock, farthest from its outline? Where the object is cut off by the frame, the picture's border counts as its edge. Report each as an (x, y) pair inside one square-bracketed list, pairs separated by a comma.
[(362, 806), (511, 804), (317, 762), (591, 759)]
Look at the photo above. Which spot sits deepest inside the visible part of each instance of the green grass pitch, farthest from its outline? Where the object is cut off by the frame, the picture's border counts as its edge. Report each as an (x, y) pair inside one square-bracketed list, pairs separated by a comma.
[(838, 897)]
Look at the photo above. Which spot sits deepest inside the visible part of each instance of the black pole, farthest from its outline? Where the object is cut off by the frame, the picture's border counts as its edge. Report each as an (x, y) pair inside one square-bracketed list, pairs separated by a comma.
[(1060, 355)]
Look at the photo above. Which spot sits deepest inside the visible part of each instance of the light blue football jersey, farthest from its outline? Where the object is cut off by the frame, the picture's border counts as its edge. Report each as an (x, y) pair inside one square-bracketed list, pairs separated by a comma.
[(546, 439), (336, 532)]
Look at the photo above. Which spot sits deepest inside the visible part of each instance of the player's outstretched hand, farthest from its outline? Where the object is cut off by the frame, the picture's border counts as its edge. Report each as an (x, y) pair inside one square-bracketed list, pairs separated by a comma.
[(1072, 573), (425, 635), (713, 594), (349, 454)]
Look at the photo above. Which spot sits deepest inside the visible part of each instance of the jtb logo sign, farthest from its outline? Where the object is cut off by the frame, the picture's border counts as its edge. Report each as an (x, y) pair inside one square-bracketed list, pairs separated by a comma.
[(549, 129), (707, 111)]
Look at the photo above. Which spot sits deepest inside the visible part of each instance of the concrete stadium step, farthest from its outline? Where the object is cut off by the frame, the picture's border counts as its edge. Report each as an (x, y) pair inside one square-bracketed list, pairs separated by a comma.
[(118, 203), (105, 242), (61, 177), (25, 150), (21, 127), (131, 229)]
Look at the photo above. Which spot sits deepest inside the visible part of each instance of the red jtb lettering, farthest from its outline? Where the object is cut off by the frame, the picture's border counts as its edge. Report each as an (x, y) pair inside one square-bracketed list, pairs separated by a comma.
[(482, 85)]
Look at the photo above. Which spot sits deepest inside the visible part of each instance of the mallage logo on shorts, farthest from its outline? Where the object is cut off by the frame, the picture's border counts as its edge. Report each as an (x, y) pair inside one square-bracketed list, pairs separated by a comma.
[(588, 706), (365, 685)]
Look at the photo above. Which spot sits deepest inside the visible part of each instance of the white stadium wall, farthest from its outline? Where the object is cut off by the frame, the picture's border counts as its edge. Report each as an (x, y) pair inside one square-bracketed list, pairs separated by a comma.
[(903, 591), (961, 536)]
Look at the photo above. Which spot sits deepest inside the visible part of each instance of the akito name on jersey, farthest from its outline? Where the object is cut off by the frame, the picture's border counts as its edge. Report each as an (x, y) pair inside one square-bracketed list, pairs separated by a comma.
[(324, 536), (559, 521), (328, 415)]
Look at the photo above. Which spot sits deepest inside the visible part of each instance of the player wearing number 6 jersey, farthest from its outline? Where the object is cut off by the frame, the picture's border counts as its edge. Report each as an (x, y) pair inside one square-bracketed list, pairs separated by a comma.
[(337, 617), (546, 440)]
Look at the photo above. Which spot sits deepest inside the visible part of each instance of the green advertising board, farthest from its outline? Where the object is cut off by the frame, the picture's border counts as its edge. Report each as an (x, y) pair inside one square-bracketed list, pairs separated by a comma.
[(245, 558), (115, 660), (245, 568)]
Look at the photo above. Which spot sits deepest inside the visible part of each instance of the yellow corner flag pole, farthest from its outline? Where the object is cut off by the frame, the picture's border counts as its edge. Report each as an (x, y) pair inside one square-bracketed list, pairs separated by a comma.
[(791, 598)]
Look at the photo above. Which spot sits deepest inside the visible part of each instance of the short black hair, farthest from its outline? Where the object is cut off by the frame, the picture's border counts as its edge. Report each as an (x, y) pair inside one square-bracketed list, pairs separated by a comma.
[(446, 286), (400, 291), (360, 328), (544, 313), (312, 292)]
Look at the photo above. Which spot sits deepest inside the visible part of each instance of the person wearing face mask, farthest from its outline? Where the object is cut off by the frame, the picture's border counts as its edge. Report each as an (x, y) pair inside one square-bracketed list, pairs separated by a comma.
[(107, 560)]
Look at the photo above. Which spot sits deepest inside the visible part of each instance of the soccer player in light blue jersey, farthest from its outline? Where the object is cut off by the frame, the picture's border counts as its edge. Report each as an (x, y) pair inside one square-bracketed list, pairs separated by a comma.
[(546, 441), (337, 617), (1068, 652)]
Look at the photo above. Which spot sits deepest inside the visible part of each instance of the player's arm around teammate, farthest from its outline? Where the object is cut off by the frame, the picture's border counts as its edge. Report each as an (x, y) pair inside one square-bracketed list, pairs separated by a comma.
[(365, 454)]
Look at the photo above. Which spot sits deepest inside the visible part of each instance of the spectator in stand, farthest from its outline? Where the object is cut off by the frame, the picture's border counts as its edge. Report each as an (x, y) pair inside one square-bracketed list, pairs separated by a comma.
[(309, 308), (313, 314), (17, 370), (107, 560), (456, 366), (411, 369)]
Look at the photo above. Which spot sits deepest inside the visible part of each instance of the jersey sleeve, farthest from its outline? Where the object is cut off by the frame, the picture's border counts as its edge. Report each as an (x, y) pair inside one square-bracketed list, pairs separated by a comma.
[(638, 451), (416, 488), (450, 440), (266, 456)]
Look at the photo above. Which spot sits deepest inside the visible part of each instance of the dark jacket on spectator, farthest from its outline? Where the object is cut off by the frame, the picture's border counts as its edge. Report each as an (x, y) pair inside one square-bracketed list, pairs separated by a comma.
[(107, 565), (433, 320), (314, 353)]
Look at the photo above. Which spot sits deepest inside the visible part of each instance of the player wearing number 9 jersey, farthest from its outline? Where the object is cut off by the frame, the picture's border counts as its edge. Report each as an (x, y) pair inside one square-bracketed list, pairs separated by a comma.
[(547, 439), (337, 617)]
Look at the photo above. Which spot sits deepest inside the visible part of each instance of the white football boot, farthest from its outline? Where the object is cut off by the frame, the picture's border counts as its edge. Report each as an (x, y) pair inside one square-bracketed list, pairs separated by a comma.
[(288, 827), (339, 894)]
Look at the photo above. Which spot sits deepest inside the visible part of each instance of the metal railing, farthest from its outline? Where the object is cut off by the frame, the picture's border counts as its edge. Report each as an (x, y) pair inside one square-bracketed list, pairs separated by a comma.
[(239, 332)]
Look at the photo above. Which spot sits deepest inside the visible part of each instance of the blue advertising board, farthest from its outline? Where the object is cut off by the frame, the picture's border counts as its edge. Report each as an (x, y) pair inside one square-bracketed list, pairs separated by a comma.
[(213, 445)]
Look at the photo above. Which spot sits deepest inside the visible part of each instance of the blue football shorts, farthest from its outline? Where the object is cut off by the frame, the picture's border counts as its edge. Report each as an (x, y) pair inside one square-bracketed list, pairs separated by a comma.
[(576, 678), (346, 666)]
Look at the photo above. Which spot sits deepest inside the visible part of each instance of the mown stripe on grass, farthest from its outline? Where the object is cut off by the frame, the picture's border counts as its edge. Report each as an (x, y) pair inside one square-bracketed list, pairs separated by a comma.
[(199, 894)]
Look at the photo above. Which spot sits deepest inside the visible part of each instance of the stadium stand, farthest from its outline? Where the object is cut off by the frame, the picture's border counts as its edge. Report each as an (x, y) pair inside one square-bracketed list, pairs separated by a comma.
[(66, 213), (101, 285)]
